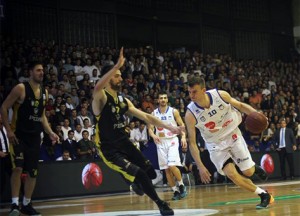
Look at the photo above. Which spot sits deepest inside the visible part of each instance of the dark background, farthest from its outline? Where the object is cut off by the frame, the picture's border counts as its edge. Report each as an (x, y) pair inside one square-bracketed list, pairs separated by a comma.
[(258, 29)]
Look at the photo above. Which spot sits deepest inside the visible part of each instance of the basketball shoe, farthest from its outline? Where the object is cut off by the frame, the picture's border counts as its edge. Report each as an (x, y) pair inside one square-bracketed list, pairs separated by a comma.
[(266, 200)]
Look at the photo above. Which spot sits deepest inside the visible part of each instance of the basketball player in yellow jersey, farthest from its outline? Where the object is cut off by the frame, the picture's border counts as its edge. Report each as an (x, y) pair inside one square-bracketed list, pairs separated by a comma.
[(116, 150), (215, 114), (29, 120)]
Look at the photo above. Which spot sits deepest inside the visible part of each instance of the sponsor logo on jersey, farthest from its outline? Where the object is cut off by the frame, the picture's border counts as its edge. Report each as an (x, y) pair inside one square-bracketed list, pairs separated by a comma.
[(227, 123), (234, 137), (210, 125), (239, 160)]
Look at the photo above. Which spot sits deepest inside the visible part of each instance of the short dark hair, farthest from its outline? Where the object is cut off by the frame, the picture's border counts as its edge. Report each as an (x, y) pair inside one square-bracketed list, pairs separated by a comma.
[(196, 81), (32, 64), (105, 69)]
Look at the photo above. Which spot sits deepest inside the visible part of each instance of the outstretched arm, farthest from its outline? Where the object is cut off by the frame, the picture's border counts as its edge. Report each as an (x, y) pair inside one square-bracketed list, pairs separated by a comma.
[(150, 119), (99, 97)]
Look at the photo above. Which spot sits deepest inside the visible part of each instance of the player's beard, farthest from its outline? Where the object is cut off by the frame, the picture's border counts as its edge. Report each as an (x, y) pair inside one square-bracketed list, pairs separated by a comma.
[(38, 80), (115, 87)]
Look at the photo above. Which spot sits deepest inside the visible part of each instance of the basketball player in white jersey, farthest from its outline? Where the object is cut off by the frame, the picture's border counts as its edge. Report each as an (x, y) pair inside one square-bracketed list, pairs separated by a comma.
[(217, 115), (167, 144)]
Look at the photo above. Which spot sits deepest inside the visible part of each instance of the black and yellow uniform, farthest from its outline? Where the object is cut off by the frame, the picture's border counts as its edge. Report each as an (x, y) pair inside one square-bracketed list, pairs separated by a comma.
[(28, 127), (116, 150)]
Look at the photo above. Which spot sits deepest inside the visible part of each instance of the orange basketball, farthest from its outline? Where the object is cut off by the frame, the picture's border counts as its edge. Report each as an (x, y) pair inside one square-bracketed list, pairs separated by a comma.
[(91, 176), (256, 122)]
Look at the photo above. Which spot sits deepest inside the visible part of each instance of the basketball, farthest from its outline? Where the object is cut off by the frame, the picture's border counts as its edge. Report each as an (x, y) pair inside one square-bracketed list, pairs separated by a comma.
[(91, 176), (267, 163), (256, 122)]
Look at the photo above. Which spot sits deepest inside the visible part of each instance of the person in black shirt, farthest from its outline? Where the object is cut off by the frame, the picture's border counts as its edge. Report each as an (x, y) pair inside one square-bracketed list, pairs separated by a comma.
[(116, 150), (24, 134)]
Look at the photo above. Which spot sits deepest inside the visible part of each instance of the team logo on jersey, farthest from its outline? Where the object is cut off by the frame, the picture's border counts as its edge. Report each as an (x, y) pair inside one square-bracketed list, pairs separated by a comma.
[(113, 109), (221, 107), (35, 110), (122, 105), (203, 119), (35, 103)]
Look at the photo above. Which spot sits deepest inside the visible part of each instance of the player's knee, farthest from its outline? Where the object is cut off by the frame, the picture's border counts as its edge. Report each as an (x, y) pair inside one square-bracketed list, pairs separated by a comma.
[(248, 172), (150, 170), (17, 170)]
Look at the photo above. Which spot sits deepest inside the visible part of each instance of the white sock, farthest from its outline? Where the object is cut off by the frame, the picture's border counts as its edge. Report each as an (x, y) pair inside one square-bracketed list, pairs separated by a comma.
[(259, 191), (180, 182), (26, 201), (15, 200), (174, 188)]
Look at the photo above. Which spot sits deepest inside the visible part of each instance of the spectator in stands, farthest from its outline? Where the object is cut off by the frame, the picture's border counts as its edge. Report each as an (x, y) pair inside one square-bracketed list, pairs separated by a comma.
[(83, 115), (65, 156), (62, 114), (70, 145), (139, 136), (65, 128), (78, 132), (85, 147), (147, 103), (87, 126)]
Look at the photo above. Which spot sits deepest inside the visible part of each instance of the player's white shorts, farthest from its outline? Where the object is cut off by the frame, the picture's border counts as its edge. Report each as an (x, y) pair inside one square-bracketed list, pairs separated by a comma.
[(168, 153), (235, 147)]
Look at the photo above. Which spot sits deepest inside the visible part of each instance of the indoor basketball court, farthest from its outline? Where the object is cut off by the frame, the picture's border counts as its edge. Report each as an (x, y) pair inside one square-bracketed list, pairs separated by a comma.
[(222, 199)]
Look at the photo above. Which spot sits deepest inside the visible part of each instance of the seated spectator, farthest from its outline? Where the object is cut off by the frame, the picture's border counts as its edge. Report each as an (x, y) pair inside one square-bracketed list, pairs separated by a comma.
[(78, 132), (85, 147), (65, 156), (148, 103), (83, 115), (65, 128), (87, 127), (62, 114), (70, 145), (73, 119)]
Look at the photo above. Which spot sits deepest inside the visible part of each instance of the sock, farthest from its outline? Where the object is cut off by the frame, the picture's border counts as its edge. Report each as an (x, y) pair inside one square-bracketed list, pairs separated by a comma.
[(259, 191), (26, 201), (15, 200), (174, 188), (180, 182)]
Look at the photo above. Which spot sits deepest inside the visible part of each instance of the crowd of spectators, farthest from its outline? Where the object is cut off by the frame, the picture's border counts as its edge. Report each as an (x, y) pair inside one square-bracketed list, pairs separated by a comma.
[(71, 71)]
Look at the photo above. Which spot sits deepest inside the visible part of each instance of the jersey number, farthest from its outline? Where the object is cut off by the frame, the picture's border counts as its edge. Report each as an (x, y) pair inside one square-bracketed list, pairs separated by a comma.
[(212, 113)]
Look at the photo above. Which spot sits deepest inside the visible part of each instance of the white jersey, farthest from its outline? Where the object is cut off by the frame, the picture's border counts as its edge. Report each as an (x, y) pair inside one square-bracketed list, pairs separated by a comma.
[(167, 117), (218, 121)]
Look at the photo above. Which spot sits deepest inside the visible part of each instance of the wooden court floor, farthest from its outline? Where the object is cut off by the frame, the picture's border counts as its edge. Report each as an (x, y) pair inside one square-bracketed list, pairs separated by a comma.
[(201, 200)]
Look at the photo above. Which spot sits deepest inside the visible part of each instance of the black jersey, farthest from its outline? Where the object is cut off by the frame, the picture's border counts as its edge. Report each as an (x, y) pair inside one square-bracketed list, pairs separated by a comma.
[(111, 122), (29, 113)]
